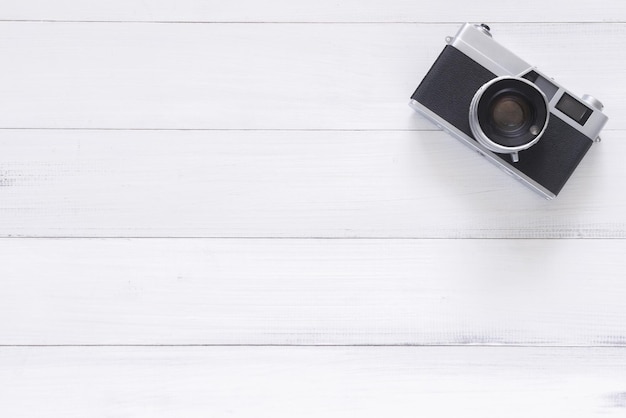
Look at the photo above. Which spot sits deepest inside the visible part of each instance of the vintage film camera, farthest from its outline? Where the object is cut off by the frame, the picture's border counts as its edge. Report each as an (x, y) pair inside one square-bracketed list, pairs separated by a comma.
[(518, 118)]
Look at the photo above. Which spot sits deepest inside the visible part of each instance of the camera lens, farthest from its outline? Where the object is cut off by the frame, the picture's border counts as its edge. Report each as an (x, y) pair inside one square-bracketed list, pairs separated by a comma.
[(508, 114)]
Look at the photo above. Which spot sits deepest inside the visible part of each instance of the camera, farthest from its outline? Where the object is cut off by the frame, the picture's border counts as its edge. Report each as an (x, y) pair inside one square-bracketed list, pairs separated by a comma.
[(508, 111)]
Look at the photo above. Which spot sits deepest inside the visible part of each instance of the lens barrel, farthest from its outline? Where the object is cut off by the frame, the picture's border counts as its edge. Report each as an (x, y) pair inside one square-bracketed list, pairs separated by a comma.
[(508, 115)]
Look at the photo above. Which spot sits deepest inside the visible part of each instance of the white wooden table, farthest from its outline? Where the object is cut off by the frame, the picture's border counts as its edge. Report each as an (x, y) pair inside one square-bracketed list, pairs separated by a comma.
[(228, 209)]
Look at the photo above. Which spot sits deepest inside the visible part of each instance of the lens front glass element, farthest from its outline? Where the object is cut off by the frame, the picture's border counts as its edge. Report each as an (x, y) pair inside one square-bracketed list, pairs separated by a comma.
[(510, 113)]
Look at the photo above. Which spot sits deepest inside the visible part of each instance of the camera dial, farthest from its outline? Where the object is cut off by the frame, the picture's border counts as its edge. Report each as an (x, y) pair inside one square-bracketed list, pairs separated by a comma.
[(508, 115), (484, 29), (590, 100)]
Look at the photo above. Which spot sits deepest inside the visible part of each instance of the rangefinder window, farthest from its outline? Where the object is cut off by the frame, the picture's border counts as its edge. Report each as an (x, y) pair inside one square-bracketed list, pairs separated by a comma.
[(574, 109), (548, 88)]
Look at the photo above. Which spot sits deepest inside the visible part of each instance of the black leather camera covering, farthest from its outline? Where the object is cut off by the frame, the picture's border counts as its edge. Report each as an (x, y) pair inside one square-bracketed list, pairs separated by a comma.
[(448, 89)]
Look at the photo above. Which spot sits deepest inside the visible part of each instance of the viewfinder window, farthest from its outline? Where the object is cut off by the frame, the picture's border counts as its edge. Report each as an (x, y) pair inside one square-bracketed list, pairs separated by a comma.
[(574, 109)]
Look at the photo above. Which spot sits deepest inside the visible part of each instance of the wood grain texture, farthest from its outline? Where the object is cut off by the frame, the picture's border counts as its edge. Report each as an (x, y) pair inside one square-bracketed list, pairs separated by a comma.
[(249, 76), (319, 11), (290, 184), (312, 382), (196, 291)]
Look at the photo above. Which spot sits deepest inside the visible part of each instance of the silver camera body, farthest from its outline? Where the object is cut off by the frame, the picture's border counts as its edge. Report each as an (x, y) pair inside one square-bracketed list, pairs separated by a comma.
[(517, 117)]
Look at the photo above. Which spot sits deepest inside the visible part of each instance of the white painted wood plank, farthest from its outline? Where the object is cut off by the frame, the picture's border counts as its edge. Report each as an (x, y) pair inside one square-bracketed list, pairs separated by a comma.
[(222, 291), (290, 184), (255, 76), (318, 11), (312, 382)]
